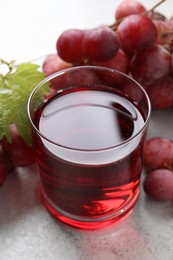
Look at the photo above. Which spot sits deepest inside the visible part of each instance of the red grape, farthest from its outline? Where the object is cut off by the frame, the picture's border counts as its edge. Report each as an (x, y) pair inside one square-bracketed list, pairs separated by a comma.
[(132, 92), (18, 152), (164, 34), (153, 15), (161, 93), (54, 63), (100, 43), (126, 8), (158, 153), (3, 168), (159, 185), (151, 64), (69, 45), (81, 77), (136, 32), (119, 61)]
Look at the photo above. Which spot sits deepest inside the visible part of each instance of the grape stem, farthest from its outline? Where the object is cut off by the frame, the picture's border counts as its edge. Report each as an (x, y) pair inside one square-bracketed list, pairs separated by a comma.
[(10, 65), (168, 34), (154, 7), (115, 25)]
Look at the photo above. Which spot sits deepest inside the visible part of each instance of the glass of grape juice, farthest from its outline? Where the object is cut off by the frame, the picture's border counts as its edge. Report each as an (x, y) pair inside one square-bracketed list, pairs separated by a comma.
[(88, 136)]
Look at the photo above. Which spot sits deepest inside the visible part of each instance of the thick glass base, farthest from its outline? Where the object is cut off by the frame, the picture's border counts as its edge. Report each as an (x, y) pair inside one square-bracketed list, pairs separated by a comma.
[(90, 223)]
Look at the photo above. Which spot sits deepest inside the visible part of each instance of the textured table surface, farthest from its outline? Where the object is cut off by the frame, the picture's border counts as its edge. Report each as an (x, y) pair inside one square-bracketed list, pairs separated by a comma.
[(27, 231)]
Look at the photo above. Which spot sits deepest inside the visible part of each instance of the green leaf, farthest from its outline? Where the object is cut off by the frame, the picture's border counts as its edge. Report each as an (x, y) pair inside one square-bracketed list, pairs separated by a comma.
[(15, 89)]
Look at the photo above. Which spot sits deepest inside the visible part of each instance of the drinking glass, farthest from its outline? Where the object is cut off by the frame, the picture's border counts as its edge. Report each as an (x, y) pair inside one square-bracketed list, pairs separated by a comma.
[(88, 135)]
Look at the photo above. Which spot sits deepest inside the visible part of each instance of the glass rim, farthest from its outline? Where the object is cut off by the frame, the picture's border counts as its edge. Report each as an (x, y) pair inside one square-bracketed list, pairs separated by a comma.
[(61, 72)]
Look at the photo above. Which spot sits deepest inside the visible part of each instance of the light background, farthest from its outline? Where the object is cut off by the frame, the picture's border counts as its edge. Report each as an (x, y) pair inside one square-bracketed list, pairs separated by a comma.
[(29, 29)]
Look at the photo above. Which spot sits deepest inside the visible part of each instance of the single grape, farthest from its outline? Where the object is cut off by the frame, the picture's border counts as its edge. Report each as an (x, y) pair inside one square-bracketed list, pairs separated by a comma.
[(164, 32), (100, 43), (158, 153), (132, 92), (3, 168), (150, 65), (156, 16), (159, 185), (57, 83), (136, 32), (119, 61), (126, 8), (54, 63), (69, 45), (18, 152), (161, 93), (81, 77)]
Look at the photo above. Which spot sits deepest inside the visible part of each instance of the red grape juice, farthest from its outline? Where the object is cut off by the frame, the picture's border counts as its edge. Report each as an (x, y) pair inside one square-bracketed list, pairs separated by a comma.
[(89, 155)]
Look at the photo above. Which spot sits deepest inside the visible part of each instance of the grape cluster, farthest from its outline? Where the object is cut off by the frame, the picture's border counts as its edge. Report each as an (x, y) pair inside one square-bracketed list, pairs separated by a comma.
[(14, 154), (139, 43)]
